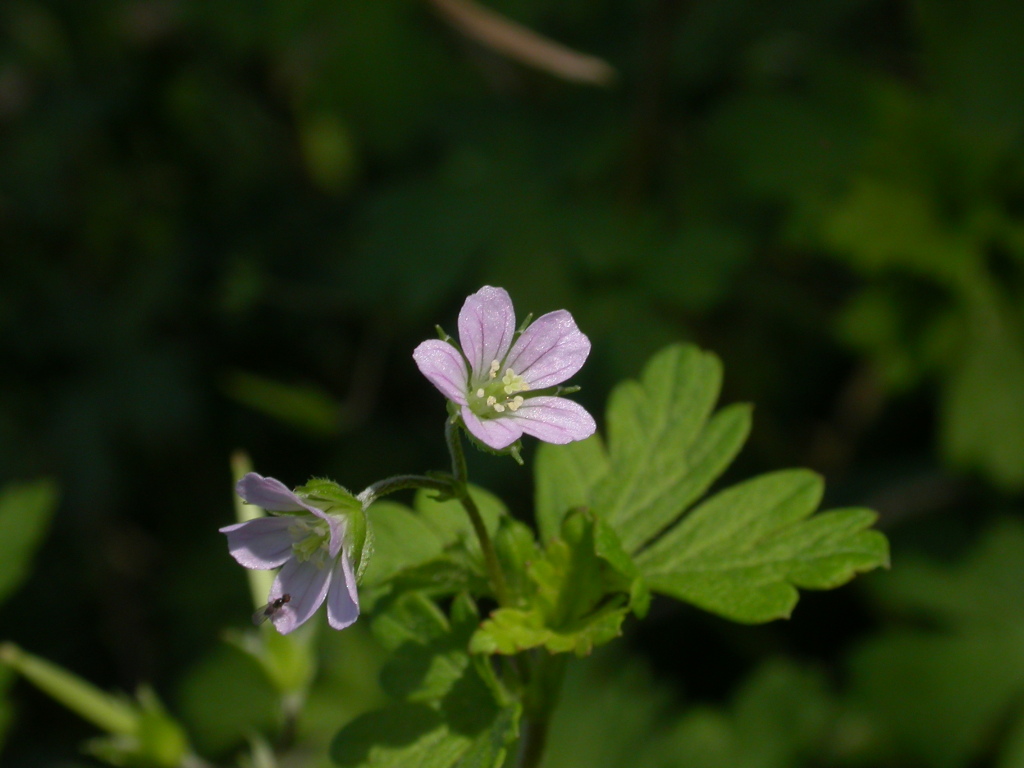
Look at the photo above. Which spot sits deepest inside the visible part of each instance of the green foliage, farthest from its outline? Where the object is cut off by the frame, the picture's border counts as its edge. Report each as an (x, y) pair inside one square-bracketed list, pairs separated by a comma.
[(304, 408), (25, 512), (565, 610), (664, 448), (945, 695), (740, 554), (743, 553), (141, 733), (445, 712), (781, 715)]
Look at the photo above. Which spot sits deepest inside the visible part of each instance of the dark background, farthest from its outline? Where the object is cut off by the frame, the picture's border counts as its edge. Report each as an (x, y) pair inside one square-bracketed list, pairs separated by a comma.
[(226, 225)]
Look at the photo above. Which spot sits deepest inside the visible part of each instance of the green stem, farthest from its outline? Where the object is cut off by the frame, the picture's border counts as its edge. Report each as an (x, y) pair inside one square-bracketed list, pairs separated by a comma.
[(399, 483), (541, 697), (461, 489)]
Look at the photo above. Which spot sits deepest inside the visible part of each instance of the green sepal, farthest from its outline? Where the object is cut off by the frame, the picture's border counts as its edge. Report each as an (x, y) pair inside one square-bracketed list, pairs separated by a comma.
[(514, 450), (336, 500), (327, 495)]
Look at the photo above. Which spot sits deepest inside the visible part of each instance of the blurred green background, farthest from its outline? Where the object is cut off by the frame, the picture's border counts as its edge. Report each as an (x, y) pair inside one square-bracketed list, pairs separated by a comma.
[(227, 224)]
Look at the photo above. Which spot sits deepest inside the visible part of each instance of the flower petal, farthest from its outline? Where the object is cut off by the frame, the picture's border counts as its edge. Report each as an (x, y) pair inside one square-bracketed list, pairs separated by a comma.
[(338, 526), (487, 324), (342, 599), (497, 433), (554, 420), (549, 351), (442, 364), (268, 493), (306, 583), (262, 543)]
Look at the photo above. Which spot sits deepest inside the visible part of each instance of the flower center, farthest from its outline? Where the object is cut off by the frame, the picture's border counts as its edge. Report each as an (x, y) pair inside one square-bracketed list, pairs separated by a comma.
[(498, 394), (311, 539)]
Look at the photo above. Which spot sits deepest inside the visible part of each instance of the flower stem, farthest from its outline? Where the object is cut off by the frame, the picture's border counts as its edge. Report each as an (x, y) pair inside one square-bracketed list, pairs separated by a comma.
[(461, 490), (546, 674), (399, 483)]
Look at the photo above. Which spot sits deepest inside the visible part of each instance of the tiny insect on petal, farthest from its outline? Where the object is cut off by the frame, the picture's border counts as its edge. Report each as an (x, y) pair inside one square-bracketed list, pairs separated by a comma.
[(268, 610)]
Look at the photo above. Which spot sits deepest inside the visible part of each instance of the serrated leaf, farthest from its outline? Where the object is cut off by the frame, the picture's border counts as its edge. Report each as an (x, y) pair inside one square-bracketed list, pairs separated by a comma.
[(564, 611), (664, 450), (743, 553), (511, 630), (25, 512), (565, 475)]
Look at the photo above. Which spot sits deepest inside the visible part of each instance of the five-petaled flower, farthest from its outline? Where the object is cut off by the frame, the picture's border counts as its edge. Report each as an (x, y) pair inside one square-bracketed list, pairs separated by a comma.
[(309, 548), (495, 377)]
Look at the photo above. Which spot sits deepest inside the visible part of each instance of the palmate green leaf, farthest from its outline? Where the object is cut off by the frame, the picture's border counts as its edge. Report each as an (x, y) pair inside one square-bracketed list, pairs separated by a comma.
[(743, 553), (665, 448)]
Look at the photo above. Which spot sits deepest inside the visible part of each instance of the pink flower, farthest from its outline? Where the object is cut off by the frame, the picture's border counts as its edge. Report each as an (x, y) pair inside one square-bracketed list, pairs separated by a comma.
[(309, 549), (495, 376)]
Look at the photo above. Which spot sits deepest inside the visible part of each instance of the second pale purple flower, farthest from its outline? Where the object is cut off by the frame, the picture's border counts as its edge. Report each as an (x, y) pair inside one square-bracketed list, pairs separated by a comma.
[(494, 379)]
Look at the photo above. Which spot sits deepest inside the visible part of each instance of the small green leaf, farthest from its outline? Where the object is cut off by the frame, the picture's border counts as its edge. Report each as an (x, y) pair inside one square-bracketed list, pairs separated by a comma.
[(743, 552), (564, 477), (565, 611), (665, 452), (25, 512), (511, 630)]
